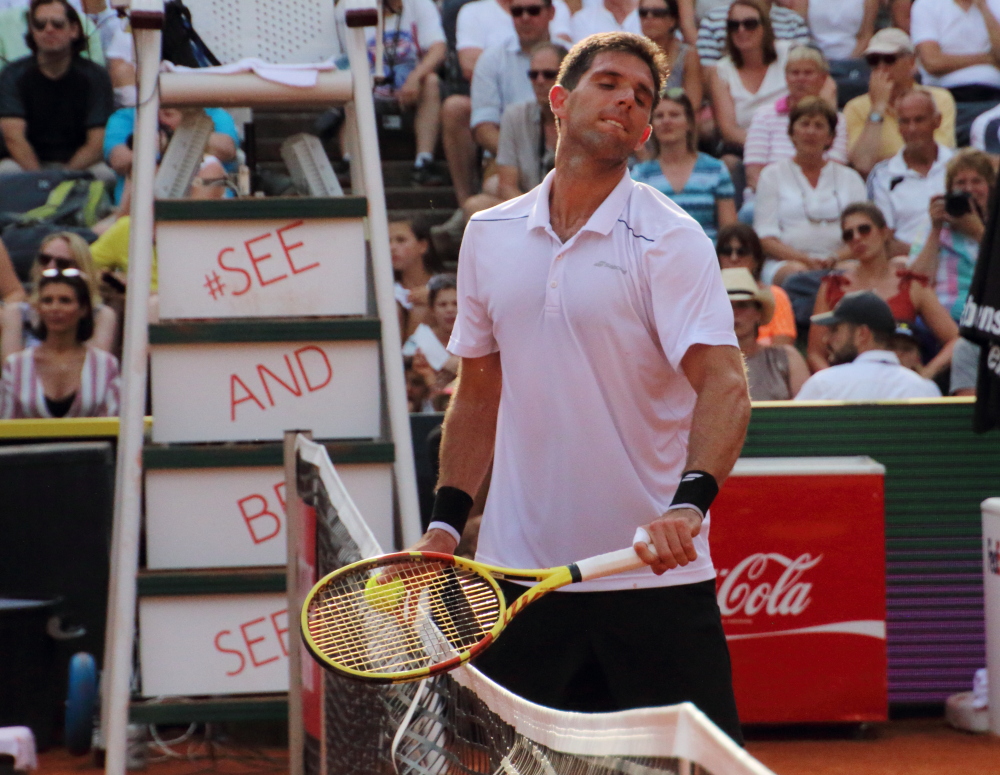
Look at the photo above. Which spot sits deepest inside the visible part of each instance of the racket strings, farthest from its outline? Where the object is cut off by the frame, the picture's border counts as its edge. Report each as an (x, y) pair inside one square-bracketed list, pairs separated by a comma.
[(434, 613)]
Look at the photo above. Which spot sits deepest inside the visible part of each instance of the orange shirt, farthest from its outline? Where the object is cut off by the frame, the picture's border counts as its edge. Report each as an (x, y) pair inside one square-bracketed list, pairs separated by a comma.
[(783, 322)]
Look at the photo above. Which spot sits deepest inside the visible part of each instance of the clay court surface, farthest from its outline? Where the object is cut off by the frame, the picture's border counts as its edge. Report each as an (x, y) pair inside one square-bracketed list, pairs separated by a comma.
[(911, 747)]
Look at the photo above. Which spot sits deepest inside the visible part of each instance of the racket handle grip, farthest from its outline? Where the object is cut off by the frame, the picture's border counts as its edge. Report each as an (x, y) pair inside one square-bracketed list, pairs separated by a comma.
[(609, 564)]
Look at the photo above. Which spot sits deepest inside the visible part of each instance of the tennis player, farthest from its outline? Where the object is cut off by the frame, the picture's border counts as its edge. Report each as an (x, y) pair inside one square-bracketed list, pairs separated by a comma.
[(600, 373)]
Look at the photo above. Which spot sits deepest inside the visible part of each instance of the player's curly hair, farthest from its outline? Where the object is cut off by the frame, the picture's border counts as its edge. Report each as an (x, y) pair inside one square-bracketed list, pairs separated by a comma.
[(581, 57)]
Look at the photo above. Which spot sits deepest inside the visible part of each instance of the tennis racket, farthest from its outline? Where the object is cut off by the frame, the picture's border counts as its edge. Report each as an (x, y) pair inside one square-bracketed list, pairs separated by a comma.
[(402, 617)]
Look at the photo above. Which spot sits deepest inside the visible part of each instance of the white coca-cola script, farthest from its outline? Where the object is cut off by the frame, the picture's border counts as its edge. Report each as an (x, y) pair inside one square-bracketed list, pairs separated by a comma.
[(747, 591)]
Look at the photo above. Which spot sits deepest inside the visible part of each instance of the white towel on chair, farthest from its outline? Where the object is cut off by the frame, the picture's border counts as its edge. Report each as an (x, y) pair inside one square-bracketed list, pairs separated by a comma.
[(19, 742), (302, 76)]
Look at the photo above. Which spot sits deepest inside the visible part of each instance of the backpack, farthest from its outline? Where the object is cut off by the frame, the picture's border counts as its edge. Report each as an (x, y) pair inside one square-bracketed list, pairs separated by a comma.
[(181, 44)]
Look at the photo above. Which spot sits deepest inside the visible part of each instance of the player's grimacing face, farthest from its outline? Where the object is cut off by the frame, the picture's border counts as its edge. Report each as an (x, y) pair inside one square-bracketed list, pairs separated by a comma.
[(609, 110)]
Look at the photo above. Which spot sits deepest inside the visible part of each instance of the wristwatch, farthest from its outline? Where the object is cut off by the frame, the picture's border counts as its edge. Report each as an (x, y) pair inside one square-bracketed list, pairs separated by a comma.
[(875, 117)]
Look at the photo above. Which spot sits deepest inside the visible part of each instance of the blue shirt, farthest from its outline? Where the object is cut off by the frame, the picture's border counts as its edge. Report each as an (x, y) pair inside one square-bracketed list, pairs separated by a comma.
[(708, 183), (122, 124)]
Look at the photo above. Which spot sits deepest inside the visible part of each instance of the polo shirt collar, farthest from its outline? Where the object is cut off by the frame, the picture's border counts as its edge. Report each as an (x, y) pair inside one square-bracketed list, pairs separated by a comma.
[(603, 219), (897, 164), (878, 356)]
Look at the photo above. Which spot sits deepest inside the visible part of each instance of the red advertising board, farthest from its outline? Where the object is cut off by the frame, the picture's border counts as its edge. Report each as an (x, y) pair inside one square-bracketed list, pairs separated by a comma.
[(799, 546)]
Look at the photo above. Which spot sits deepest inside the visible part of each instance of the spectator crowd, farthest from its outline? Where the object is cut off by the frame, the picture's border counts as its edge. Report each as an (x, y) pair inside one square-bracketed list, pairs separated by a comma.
[(840, 155)]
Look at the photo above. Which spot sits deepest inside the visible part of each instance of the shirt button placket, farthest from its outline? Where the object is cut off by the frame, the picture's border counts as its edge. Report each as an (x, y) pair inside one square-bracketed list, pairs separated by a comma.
[(555, 277)]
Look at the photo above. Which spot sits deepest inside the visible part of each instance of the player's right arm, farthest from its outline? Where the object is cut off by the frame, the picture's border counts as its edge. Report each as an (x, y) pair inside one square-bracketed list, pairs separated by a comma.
[(467, 439)]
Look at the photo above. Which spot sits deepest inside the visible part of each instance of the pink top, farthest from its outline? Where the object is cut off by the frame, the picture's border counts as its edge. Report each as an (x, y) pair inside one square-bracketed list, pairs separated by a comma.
[(22, 395)]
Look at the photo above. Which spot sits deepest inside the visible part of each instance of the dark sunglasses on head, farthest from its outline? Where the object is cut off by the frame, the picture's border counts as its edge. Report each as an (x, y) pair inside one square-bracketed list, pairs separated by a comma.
[(656, 13), (518, 11), (864, 229), (733, 25), (57, 24), (731, 250), (548, 75), (874, 60), (45, 259), (71, 271)]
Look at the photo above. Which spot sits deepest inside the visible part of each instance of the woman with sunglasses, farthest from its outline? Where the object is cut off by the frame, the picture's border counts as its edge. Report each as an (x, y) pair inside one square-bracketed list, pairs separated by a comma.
[(909, 295), (19, 322), (750, 76), (738, 246), (660, 20), (799, 200), (61, 376), (697, 182)]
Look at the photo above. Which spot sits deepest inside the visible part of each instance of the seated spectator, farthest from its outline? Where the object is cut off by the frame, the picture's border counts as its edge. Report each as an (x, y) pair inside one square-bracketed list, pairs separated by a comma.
[(907, 348), (54, 104), (222, 143), (19, 321), (842, 30), (958, 45), (413, 264), (11, 290), (660, 20), (481, 24), (948, 248), (418, 393), (414, 49), (697, 182), (786, 24), (527, 147), (14, 37), (985, 132), (907, 294), (904, 185), (61, 376), (774, 372), (442, 299), (872, 130), (739, 246), (859, 349), (751, 75), (767, 137), (605, 16), (799, 200)]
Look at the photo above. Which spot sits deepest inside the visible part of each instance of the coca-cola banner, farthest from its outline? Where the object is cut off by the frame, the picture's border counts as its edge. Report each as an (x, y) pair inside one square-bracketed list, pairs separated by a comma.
[(799, 546)]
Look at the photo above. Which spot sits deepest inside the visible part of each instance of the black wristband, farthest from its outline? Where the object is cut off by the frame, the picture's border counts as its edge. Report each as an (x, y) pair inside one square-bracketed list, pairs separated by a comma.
[(697, 489), (452, 506)]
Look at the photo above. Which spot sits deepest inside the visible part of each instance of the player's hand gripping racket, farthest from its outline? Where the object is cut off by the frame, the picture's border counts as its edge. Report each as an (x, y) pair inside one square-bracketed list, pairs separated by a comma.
[(435, 612)]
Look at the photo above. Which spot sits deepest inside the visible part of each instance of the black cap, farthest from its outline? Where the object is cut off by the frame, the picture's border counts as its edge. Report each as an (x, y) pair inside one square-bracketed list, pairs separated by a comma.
[(862, 308)]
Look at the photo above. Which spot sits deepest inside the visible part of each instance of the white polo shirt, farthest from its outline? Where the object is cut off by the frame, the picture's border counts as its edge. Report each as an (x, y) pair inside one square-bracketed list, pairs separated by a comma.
[(594, 410), (903, 195), (957, 32), (875, 375)]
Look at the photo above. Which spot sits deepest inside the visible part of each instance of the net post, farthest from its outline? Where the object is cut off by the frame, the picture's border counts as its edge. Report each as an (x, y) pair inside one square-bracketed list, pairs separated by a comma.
[(293, 527)]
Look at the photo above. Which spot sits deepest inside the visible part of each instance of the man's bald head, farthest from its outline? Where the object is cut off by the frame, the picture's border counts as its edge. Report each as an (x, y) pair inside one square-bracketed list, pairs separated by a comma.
[(918, 117)]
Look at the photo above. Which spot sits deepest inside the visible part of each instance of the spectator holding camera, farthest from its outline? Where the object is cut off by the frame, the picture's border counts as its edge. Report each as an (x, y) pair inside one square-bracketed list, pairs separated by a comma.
[(948, 247), (54, 104)]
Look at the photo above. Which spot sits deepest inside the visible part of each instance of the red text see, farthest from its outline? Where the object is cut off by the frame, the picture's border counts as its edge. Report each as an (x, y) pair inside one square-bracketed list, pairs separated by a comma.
[(255, 643), (262, 260), (306, 370)]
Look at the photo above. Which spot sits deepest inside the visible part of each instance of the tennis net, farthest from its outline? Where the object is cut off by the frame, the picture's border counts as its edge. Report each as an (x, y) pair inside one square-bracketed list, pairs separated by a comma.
[(462, 723)]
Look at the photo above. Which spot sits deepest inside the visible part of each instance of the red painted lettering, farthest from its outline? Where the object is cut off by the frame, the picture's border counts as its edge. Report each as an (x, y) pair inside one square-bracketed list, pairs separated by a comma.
[(281, 632), (248, 396), (238, 653), (279, 490), (263, 513), (305, 375), (250, 643), (243, 272), (289, 248), (262, 371), (255, 260)]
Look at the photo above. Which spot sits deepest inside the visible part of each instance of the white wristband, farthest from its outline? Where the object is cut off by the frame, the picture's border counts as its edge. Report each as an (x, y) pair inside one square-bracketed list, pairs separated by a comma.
[(675, 506), (446, 528)]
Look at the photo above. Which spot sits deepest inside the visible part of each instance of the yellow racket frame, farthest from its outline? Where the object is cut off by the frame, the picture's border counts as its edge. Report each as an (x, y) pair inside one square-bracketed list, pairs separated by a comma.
[(549, 579)]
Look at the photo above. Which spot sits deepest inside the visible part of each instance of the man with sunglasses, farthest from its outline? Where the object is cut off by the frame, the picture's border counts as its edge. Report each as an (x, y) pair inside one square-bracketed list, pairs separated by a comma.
[(872, 129), (54, 103)]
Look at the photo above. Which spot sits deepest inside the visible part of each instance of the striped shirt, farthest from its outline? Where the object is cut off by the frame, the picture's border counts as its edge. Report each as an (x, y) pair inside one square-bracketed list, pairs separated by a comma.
[(768, 140), (787, 25), (708, 183), (22, 394)]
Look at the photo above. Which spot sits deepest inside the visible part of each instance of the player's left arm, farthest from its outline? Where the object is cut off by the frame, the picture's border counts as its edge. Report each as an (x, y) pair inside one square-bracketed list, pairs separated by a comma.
[(718, 428)]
